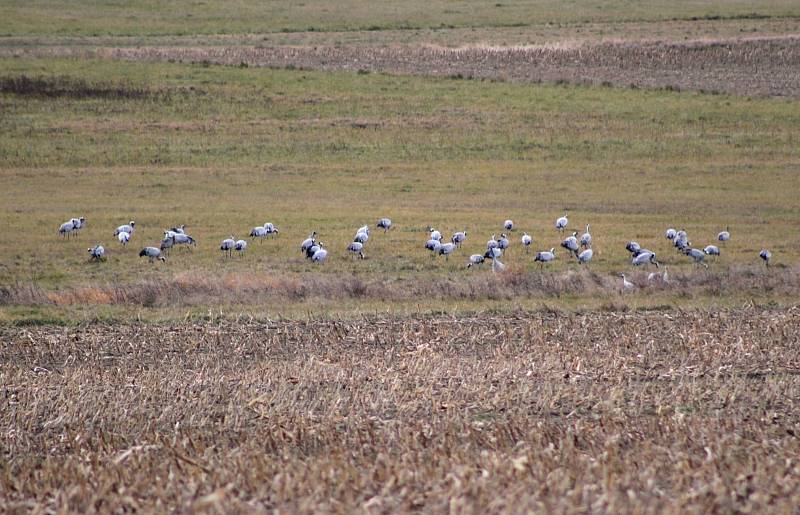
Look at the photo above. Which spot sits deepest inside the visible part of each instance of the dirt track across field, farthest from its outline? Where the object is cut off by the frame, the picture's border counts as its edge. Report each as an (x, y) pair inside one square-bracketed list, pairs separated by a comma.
[(753, 67)]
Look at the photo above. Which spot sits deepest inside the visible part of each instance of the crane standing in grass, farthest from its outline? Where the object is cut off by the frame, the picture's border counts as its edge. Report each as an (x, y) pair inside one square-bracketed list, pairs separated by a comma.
[(586, 239), (626, 284), (385, 224), (128, 228), (545, 256), (562, 222), (227, 246), (526, 241)]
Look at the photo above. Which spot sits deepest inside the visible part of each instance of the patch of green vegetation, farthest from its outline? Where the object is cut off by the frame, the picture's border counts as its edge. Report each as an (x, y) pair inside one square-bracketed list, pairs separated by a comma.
[(187, 17), (223, 149)]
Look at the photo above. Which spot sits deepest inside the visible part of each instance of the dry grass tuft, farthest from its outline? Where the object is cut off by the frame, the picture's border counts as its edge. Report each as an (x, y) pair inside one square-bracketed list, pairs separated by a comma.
[(198, 289)]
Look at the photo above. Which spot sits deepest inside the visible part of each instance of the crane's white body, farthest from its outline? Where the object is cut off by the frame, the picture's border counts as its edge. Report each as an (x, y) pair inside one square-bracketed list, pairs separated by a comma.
[(571, 243), (644, 258), (356, 248), (545, 256), (227, 246), (385, 224), (66, 229), (586, 238), (626, 284), (240, 247), (128, 228), (445, 249), (476, 259), (319, 256), (152, 253), (526, 241), (562, 222)]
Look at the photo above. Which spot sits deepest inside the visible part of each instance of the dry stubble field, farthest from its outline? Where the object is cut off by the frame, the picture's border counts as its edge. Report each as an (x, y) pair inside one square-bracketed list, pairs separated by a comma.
[(679, 411)]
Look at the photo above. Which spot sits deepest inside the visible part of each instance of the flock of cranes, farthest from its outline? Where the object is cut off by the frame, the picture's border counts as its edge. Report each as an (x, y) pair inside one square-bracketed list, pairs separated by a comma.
[(314, 250)]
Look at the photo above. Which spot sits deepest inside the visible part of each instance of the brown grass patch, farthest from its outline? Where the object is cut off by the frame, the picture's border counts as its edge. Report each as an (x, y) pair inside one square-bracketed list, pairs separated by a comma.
[(196, 288), (70, 87)]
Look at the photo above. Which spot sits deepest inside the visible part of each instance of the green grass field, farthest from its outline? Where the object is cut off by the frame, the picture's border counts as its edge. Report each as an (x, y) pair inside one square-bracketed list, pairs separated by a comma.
[(223, 149), (188, 17)]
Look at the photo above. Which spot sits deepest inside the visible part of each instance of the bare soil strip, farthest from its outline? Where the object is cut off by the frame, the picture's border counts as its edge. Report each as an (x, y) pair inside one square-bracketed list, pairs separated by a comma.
[(754, 67), (683, 411)]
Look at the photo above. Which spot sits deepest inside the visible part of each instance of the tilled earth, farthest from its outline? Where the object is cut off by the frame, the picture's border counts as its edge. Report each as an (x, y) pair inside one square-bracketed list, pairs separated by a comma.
[(768, 66)]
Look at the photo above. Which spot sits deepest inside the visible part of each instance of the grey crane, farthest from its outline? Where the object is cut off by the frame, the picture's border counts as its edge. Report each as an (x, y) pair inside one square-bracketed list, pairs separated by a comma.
[(586, 238), (561, 223), (320, 254), (626, 284), (66, 229), (476, 259), (259, 232), (645, 258), (459, 237), (697, 256), (571, 243), (227, 246), (152, 254), (433, 246), (526, 241), (356, 248), (308, 242), (503, 242), (240, 247), (445, 249), (97, 253), (128, 228), (633, 247), (385, 224), (545, 256), (271, 229)]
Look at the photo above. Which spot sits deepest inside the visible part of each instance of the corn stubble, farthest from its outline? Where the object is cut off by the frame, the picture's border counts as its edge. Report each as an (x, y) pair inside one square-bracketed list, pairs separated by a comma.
[(602, 411)]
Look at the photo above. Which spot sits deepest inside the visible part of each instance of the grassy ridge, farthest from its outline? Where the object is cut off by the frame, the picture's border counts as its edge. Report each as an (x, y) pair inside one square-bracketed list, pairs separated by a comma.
[(223, 149), (182, 17)]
